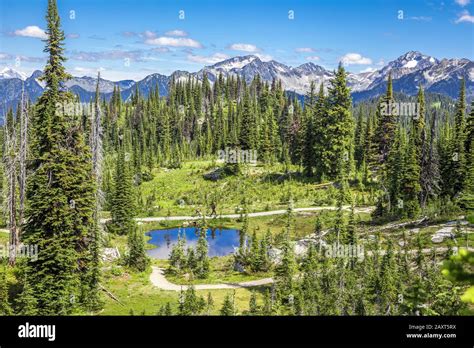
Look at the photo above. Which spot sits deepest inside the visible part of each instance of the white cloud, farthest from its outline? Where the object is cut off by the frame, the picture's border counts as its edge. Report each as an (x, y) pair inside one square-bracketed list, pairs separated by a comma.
[(465, 17), (73, 36), (215, 58), (149, 34), (462, 2), (173, 41), (31, 31), (88, 71), (355, 59), (304, 50), (313, 58), (176, 33), (243, 47)]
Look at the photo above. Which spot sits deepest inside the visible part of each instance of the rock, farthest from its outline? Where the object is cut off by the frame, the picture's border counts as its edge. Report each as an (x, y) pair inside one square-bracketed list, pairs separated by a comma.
[(214, 175), (437, 239), (302, 246), (275, 255), (110, 254), (413, 230), (239, 267), (442, 234)]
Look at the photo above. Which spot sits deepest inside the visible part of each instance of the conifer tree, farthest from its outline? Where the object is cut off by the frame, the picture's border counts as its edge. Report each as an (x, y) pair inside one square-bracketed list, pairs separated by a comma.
[(137, 257), (253, 306), (26, 301), (202, 258), (5, 308), (430, 176), (286, 270), (209, 303), (386, 124), (320, 135), (60, 190), (339, 126), (309, 134), (177, 256), (410, 185), (122, 208), (458, 160), (228, 307)]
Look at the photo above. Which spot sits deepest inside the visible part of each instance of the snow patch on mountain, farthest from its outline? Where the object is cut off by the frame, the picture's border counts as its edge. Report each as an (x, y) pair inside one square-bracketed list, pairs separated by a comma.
[(411, 64), (9, 73)]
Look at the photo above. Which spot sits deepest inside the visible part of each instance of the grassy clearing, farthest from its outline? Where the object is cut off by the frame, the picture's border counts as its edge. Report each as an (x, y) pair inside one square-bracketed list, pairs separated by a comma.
[(221, 272), (174, 192), (4, 237), (140, 297), (265, 187)]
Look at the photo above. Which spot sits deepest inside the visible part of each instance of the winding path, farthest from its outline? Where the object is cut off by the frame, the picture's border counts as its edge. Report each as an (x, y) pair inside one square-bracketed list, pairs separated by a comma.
[(235, 216), (159, 280)]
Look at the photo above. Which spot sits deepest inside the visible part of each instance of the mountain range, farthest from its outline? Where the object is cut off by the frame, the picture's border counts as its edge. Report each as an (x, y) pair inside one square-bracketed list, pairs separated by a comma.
[(409, 71)]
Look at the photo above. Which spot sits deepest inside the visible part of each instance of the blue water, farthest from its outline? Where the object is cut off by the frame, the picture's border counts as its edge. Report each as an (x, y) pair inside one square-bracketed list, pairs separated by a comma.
[(221, 242)]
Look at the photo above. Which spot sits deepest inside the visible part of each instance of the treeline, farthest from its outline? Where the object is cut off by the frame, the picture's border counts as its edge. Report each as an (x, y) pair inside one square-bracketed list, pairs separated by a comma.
[(413, 160), (62, 170)]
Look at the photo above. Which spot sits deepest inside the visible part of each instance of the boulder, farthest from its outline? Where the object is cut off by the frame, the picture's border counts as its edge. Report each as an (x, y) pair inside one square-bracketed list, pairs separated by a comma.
[(110, 254), (442, 234)]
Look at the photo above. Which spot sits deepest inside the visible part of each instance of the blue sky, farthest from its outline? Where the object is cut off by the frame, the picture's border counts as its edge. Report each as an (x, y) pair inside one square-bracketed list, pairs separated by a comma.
[(131, 39)]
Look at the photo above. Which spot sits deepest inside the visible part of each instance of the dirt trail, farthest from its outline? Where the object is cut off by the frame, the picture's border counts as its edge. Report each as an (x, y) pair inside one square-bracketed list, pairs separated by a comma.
[(235, 216), (159, 280)]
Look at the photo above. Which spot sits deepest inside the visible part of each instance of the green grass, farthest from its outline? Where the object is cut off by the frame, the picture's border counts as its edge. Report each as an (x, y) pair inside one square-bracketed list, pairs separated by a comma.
[(221, 272), (4, 237), (136, 293), (266, 187)]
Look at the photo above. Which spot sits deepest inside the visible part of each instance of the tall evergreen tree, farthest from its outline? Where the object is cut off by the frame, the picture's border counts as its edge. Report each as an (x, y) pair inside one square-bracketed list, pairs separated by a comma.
[(386, 124), (122, 208), (60, 190), (340, 127)]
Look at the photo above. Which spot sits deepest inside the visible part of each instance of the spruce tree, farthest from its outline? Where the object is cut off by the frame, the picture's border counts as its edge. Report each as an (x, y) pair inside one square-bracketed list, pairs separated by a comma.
[(202, 259), (458, 160), (286, 270), (122, 209), (5, 308), (177, 257), (60, 189), (209, 303), (228, 307), (137, 257), (253, 306), (339, 126), (430, 176), (410, 185), (386, 124)]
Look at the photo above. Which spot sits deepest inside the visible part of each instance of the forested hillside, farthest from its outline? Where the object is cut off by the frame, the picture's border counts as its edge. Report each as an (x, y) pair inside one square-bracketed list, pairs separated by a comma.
[(389, 171)]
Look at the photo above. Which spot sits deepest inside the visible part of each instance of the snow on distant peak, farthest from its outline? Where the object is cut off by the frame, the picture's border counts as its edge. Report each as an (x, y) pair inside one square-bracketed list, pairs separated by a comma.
[(411, 64), (9, 73), (235, 63)]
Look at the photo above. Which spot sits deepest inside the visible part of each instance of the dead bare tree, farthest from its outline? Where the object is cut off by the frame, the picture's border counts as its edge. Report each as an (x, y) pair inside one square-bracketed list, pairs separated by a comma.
[(23, 157), (96, 147), (10, 163)]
